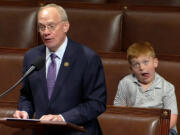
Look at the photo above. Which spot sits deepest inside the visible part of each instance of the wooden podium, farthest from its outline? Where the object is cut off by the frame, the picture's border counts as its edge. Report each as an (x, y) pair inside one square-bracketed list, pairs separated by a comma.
[(41, 127)]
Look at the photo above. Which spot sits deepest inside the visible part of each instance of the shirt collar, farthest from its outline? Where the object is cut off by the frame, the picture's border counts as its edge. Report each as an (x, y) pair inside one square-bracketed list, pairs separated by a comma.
[(60, 52), (157, 83)]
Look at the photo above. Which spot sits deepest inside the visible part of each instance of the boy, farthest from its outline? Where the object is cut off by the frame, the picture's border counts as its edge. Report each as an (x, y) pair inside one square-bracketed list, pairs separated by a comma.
[(144, 87)]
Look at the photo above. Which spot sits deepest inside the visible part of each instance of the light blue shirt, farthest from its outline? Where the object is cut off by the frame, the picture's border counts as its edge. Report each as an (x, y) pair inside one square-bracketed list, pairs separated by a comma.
[(161, 94), (59, 53)]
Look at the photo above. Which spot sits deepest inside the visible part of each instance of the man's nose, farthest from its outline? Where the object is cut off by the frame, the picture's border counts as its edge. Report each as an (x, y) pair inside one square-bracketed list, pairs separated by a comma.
[(46, 32)]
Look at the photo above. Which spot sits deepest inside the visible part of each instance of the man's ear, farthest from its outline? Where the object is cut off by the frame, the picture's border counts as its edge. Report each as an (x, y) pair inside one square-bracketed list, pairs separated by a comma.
[(156, 62), (66, 26)]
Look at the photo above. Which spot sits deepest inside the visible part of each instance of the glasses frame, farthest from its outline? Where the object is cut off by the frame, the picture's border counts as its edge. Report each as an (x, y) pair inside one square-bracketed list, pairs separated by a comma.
[(51, 26)]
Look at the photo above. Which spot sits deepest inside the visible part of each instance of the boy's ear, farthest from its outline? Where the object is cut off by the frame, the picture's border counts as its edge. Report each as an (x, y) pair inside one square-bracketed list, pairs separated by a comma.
[(156, 62)]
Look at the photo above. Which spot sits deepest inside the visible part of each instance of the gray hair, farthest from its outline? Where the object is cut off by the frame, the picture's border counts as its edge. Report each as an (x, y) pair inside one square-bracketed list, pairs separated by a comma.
[(60, 9)]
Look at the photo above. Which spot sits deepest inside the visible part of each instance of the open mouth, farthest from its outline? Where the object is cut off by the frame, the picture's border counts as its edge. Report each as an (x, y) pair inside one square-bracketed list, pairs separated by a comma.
[(145, 75), (48, 39)]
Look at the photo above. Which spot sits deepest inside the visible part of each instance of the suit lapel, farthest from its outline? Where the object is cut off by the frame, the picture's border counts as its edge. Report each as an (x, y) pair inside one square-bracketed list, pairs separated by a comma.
[(42, 75)]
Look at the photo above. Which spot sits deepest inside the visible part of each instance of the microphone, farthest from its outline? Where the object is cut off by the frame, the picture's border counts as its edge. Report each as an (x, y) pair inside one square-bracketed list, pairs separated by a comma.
[(35, 66)]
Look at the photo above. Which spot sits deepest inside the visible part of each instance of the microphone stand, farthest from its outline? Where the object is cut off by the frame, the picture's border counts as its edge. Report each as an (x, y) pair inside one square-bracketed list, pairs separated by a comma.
[(18, 82)]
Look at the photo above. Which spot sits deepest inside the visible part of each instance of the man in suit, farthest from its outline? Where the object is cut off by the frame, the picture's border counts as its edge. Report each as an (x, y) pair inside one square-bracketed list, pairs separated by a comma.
[(78, 89)]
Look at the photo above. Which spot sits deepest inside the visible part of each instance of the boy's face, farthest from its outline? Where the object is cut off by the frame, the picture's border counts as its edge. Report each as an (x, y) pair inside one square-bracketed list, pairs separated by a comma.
[(144, 68)]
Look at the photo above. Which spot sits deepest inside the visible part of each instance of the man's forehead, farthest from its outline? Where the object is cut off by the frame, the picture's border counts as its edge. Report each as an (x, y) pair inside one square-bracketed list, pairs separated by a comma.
[(48, 12), (48, 17)]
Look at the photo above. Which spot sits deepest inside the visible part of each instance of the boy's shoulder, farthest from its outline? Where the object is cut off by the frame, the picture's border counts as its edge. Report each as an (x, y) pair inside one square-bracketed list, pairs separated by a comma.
[(128, 79), (162, 81)]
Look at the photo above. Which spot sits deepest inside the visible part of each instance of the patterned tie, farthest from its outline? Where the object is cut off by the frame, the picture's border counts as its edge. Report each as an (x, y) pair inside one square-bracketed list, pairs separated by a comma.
[(51, 76)]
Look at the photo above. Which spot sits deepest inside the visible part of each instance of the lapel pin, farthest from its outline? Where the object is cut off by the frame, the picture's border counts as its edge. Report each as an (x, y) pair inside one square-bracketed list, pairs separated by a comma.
[(66, 64)]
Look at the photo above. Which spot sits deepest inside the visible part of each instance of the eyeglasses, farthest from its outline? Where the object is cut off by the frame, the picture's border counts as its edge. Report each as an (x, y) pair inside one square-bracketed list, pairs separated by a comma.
[(51, 27)]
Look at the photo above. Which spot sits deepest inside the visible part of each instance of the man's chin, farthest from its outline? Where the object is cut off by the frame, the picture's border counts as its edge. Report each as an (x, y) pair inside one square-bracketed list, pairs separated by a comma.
[(49, 44), (51, 47)]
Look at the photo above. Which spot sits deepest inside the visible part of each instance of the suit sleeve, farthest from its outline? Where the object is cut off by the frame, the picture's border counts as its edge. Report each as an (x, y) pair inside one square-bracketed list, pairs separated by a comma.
[(94, 94), (25, 99)]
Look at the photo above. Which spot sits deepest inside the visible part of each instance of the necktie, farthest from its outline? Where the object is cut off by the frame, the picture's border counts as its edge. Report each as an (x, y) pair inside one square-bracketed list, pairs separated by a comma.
[(51, 76)]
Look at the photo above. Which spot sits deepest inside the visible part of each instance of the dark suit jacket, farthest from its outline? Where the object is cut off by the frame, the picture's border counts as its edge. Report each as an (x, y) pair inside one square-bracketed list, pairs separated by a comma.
[(79, 93)]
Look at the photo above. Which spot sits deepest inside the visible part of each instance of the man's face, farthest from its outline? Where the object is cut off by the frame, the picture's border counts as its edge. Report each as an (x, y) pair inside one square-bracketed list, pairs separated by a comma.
[(52, 29), (144, 68)]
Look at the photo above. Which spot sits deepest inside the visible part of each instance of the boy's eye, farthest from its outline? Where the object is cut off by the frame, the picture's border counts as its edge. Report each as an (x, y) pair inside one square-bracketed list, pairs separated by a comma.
[(146, 62), (136, 65)]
